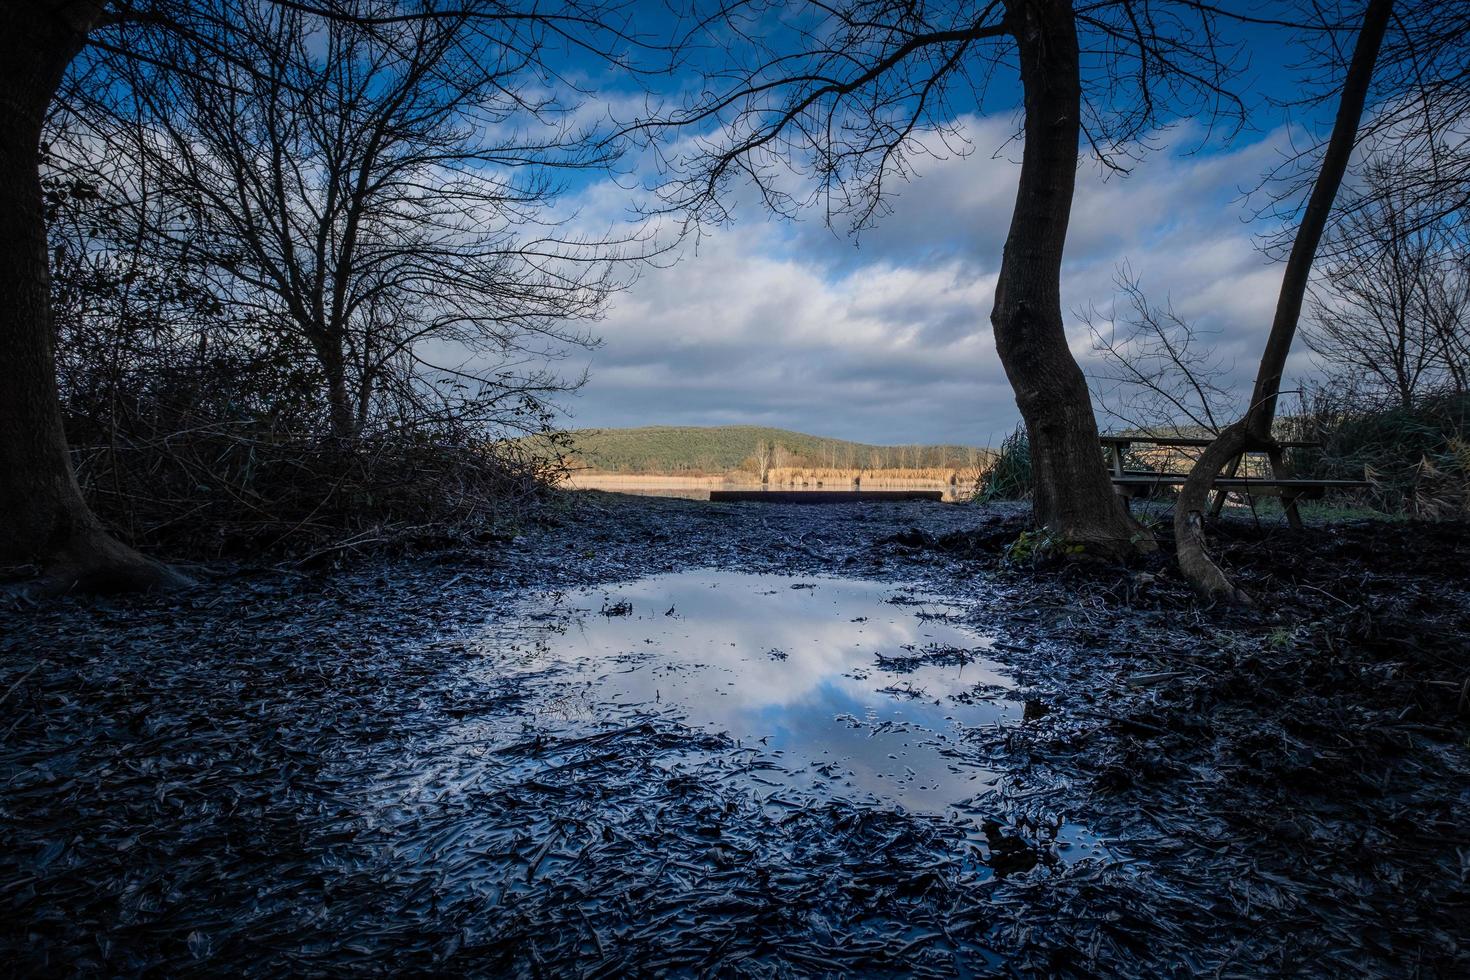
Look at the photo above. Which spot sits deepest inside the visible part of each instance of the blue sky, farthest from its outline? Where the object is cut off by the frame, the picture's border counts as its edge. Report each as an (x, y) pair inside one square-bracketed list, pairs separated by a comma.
[(885, 337)]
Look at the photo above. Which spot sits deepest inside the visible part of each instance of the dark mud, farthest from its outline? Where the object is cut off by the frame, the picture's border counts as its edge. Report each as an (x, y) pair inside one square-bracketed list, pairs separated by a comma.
[(395, 768)]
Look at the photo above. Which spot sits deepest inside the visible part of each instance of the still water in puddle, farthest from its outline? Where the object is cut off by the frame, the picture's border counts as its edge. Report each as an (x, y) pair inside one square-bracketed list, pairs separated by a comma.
[(846, 688)]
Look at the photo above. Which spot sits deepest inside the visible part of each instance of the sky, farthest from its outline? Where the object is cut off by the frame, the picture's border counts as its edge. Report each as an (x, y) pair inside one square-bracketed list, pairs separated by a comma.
[(885, 337)]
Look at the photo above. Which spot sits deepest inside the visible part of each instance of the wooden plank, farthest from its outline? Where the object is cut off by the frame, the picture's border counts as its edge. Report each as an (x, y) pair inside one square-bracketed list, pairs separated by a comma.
[(1114, 440), (1140, 484), (1238, 482), (822, 496)]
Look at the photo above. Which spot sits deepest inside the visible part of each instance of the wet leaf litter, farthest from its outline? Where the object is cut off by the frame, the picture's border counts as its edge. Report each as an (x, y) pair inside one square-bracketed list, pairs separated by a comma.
[(463, 764)]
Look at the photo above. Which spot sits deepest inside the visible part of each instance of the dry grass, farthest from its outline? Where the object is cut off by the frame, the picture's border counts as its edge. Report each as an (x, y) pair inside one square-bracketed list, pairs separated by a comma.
[(598, 479)]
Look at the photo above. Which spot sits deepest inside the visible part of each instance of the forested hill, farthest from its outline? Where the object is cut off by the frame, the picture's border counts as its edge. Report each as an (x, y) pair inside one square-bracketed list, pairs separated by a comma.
[(678, 449)]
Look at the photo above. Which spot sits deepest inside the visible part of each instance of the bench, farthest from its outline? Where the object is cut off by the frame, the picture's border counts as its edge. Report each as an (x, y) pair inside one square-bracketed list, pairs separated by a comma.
[(1140, 483)]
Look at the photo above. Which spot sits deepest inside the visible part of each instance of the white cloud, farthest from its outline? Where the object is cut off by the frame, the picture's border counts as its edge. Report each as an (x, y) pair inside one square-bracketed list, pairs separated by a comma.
[(889, 340)]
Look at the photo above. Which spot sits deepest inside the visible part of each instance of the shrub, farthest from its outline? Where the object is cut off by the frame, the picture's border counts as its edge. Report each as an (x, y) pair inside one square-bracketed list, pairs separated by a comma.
[(228, 456), (1417, 459), (1009, 476)]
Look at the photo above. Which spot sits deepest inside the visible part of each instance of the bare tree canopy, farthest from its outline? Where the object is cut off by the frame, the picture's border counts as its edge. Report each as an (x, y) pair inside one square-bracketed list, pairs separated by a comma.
[(1159, 373), (1416, 130), (1390, 310), (851, 94), (376, 197), (848, 95)]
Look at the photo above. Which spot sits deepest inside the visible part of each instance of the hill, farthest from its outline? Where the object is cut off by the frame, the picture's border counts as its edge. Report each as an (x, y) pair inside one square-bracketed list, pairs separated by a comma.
[(667, 449)]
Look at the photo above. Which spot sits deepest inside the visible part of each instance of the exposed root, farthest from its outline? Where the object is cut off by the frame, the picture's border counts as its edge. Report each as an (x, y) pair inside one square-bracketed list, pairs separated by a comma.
[(1129, 539), (93, 561)]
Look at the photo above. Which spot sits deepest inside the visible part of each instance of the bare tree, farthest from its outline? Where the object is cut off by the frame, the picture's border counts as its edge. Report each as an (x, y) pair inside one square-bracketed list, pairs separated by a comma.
[(1420, 124), (375, 195), (43, 516), (1253, 430), (1418, 120), (1393, 302), (842, 92), (1158, 374), (762, 456)]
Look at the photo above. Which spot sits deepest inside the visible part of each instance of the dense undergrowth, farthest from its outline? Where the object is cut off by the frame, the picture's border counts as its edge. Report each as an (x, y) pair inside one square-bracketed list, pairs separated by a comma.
[(228, 459), (238, 490), (1417, 458)]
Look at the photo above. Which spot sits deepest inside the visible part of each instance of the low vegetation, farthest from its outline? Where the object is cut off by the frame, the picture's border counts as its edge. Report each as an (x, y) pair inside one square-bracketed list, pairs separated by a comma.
[(1416, 456), (1010, 477), (216, 458)]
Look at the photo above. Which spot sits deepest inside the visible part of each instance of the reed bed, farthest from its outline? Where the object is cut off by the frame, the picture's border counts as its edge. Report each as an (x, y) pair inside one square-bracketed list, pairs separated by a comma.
[(806, 476)]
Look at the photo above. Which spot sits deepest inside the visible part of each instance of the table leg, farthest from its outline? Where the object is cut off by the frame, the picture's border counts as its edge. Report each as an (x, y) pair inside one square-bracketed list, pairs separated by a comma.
[(1280, 471), (1220, 495)]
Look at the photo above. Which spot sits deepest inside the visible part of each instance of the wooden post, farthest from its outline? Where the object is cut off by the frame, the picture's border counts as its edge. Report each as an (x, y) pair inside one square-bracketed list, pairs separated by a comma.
[(1219, 503), (1281, 471)]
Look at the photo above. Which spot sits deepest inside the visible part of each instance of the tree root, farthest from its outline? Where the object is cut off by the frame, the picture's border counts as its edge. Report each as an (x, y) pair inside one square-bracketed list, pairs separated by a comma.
[(95, 562)]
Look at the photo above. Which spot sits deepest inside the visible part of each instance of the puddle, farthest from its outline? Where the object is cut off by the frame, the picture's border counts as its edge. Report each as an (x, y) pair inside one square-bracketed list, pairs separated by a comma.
[(838, 688)]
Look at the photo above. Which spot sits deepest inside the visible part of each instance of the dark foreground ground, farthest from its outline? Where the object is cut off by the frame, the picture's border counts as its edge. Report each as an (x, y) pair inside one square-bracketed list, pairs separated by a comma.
[(258, 776)]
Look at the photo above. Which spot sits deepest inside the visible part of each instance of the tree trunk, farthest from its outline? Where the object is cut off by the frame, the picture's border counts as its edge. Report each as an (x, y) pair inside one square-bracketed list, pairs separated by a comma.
[(1073, 497), (341, 415), (1262, 411), (1254, 431), (344, 419), (43, 518)]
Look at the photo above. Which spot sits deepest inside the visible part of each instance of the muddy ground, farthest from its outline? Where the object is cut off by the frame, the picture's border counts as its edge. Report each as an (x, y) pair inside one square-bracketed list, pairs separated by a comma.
[(327, 771)]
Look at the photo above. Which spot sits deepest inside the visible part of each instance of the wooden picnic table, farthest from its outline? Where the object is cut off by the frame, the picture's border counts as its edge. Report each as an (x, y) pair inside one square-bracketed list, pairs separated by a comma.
[(1118, 444), (1188, 441), (1139, 483)]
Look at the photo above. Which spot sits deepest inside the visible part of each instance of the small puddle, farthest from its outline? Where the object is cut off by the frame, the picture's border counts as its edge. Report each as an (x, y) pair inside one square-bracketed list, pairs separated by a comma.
[(838, 685), (838, 688)]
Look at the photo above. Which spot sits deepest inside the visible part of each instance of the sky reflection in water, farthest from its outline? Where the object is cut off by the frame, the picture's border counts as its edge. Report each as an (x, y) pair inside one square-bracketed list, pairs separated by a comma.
[(792, 665)]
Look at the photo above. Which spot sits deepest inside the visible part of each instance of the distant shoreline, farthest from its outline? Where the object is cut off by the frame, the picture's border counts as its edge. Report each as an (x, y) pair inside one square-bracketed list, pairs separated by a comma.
[(669, 485)]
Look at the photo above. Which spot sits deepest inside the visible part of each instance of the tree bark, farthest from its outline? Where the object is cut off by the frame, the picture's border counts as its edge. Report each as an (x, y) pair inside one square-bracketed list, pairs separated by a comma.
[(43, 517), (1073, 497), (1254, 431), (339, 400)]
